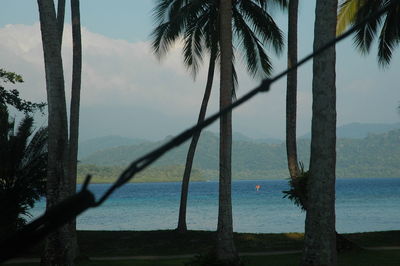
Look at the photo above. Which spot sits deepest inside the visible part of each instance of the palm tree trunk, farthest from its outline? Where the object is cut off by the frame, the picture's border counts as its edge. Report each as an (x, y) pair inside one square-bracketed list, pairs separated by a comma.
[(60, 19), (74, 108), (320, 239), (58, 244), (182, 227), (226, 250), (291, 94)]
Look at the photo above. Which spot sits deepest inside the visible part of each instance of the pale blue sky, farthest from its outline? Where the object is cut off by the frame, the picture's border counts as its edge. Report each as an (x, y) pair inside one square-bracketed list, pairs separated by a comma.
[(162, 99)]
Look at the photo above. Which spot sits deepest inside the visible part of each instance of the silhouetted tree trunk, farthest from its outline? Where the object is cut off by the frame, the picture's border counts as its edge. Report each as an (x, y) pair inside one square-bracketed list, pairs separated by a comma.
[(226, 250), (74, 107), (320, 242), (182, 227), (60, 19), (58, 244), (291, 94), (61, 246)]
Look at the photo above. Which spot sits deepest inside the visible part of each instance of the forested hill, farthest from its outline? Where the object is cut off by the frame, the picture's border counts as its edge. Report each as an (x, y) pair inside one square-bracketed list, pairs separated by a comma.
[(377, 155)]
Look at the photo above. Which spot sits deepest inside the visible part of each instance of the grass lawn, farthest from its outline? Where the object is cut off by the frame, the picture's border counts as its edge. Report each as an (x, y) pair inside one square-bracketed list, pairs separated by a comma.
[(354, 258), (168, 242)]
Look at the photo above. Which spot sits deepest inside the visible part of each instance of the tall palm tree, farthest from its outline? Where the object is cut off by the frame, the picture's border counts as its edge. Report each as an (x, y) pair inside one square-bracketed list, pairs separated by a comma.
[(74, 108), (23, 163), (387, 27), (319, 239), (57, 249), (226, 250), (60, 246), (291, 91), (196, 22)]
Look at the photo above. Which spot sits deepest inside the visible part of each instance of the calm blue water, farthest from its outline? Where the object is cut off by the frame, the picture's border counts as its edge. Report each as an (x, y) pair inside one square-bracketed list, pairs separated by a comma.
[(362, 205)]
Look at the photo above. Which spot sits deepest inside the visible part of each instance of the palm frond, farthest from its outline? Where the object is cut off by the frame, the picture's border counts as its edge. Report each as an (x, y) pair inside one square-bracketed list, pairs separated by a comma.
[(23, 164), (250, 45), (389, 36), (271, 4), (196, 23), (175, 17), (347, 14), (160, 10), (262, 24), (264, 61), (194, 43), (365, 35)]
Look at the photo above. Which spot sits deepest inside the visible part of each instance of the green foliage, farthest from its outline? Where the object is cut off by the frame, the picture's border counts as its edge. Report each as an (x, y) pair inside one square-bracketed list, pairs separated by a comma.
[(23, 164), (196, 23), (209, 259), (377, 155), (298, 189), (108, 174), (11, 97)]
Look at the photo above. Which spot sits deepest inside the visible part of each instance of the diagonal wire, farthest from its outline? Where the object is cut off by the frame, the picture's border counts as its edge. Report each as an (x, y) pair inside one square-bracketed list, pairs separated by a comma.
[(75, 205)]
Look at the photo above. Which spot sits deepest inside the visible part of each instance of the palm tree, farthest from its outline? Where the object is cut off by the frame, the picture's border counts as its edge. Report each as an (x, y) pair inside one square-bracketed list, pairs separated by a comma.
[(226, 250), (74, 109), (386, 26), (57, 249), (291, 91), (60, 246), (319, 239), (23, 163), (196, 22)]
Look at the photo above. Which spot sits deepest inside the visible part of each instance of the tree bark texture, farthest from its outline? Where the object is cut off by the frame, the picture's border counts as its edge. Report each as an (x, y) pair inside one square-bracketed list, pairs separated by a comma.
[(226, 250), (60, 19), (182, 227), (74, 106), (291, 93), (320, 242), (59, 245)]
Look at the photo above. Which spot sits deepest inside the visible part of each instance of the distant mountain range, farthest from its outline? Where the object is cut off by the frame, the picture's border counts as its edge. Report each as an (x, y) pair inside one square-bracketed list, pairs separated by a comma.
[(97, 144), (351, 131), (360, 130), (377, 155)]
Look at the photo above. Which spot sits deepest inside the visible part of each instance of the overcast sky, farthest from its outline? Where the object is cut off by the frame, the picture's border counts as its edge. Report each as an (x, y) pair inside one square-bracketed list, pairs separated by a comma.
[(126, 91)]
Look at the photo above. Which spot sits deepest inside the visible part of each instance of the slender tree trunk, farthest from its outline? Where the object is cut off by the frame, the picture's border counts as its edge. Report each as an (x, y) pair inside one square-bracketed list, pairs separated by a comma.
[(60, 19), (192, 149), (58, 244), (291, 94), (74, 107), (320, 242), (226, 250)]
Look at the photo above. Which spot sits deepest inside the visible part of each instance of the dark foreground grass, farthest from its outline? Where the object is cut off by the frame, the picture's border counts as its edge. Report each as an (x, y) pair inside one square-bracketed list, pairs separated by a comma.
[(169, 242), (353, 258)]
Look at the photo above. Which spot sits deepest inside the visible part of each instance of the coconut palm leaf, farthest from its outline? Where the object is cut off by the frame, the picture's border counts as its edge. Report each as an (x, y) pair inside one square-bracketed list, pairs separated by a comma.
[(387, 27), (196, 22), (23, 164)]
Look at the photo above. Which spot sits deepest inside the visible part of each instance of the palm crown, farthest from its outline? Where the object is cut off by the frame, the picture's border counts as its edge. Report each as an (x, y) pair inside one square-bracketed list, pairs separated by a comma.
[(196, 23), (387, 26)]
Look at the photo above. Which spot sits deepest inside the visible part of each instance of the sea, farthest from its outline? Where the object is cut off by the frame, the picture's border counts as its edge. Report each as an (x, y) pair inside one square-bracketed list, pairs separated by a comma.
[(362, 205)]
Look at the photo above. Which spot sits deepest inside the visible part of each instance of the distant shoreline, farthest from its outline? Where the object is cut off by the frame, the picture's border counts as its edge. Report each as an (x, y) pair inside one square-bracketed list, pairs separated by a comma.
[(133, 181)]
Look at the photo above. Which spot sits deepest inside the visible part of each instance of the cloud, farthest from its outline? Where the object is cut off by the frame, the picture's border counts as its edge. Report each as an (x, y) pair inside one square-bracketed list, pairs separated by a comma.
[(124, 82), (116, 74)]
